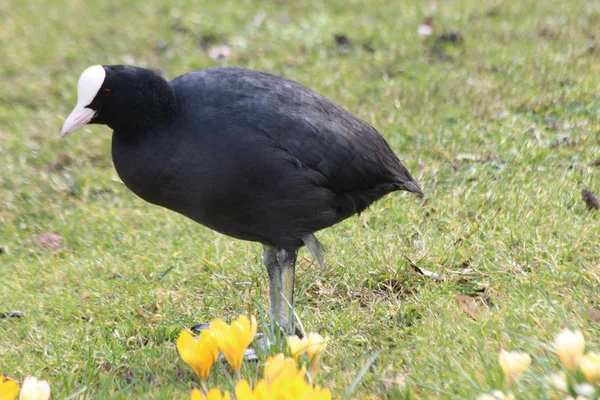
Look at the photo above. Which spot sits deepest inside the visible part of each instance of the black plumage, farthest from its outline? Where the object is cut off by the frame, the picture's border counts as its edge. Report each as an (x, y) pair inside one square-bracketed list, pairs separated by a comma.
[(248, 154)]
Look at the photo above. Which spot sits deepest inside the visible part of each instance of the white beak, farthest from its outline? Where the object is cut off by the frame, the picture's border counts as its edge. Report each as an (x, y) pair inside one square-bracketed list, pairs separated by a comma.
[(78, 118)]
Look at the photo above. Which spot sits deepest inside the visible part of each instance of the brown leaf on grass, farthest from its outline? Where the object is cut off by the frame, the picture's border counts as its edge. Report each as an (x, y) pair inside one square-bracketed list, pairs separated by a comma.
[(219, 52), (12, 314), (591, 200), (452, 37), (468, 305), (592, 314), (425, 28), (50, 240), (425, 272), (395, 287), (341, 40), (473, 157), (140, 312), (399, 382), (562, 140), (595, 163), (548, 31), (62, 160), (304, 262)]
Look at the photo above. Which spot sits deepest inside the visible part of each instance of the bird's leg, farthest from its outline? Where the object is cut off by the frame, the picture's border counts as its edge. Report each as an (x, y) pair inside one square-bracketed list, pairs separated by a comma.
[(274, 272), (287, 262), (281, 264)]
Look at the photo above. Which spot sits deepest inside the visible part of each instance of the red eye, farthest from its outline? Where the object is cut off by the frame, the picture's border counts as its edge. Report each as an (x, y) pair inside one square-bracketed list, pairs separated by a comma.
[(106, 92)]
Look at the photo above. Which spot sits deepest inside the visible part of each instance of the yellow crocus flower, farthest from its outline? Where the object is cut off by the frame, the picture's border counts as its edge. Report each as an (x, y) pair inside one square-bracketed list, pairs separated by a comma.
[(199, 354), (281, 367), (8, 388), (297, 389), (213, 394), (590, 366), (558, 387), (34, 389), (297, 346), (283, 381), (281, 389), (569, 346), (197, 395), (243, 391), (313, 344), (234, 339), (316, 345), (513, 364), (496, 395)]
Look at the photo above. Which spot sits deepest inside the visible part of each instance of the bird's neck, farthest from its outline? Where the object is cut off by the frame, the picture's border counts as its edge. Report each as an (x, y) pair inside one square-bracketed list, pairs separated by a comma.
[(154, 110)]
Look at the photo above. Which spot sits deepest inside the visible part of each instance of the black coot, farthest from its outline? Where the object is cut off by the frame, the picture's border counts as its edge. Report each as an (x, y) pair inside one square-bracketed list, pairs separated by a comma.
[(248, 154)]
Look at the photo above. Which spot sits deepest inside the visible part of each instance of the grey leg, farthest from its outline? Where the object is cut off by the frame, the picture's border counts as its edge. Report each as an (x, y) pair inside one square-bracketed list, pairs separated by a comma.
[(274, 271), (281, 266)]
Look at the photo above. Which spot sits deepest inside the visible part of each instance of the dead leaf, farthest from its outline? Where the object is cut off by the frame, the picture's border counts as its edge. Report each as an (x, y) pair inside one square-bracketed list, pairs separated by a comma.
[(219, 52), (399, 381), (258, 19), (63, 160), (140, 312), (12, 314), (129, 59), (591, 200), (592, 314), (388, 383), (341, 40), (425, 28), (304, 262), (561, 140), (468, 305), (473, 157), (394, 287), (50, 240), (451, 37), (425, 272)]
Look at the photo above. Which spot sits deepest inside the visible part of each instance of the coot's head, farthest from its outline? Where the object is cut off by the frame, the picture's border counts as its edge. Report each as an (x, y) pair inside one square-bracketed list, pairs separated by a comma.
[(122, 97)]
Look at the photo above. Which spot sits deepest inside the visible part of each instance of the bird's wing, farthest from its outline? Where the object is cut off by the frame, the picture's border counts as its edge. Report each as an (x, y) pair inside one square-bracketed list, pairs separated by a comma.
[(349, 153)]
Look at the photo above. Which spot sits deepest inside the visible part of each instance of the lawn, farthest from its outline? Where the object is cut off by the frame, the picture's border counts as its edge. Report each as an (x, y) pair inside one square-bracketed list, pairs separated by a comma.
[(497, 115)]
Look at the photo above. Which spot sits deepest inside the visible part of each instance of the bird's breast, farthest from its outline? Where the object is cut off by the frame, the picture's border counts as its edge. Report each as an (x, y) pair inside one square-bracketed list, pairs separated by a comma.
[(140, 163)]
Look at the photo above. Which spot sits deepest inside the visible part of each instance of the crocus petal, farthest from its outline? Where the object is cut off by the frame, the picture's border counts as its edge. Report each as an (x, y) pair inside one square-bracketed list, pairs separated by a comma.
[(34, 389), (590, 367), (569, 346), (215, 394), (243, 391), (253, 328), (197, 395), (262, 391), (513, 364), (496, 395), (316, 345), (280, 367), (297, 346), (8, 388), (199, 354), (234, 339)]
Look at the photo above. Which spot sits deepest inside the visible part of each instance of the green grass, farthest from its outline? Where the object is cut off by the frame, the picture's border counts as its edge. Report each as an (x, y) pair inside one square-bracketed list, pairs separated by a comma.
[(500, 131)]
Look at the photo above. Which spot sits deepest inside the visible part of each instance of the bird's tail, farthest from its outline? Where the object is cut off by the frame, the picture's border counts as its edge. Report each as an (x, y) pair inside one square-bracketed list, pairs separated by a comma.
[(315, 248), (410, 186)]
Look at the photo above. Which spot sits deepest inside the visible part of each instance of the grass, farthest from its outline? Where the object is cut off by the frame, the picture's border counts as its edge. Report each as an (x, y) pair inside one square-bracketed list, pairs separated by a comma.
[(501, 130)]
